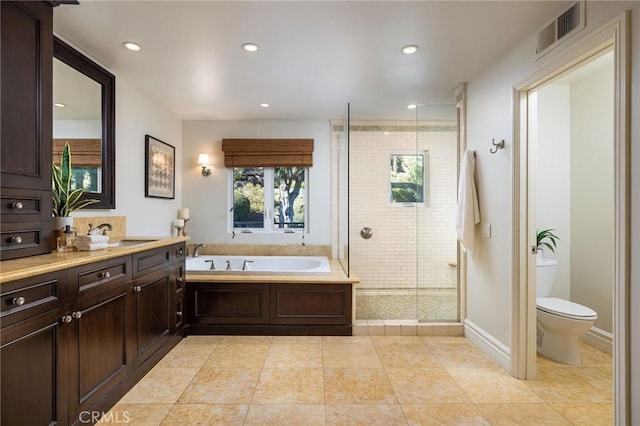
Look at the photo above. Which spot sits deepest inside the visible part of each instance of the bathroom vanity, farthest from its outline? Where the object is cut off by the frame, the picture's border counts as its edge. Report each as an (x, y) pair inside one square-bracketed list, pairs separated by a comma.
[(80, 329)]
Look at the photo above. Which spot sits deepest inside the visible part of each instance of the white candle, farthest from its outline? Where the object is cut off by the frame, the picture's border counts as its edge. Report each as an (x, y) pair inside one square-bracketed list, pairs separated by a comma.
[(178, 222), (183, 213)]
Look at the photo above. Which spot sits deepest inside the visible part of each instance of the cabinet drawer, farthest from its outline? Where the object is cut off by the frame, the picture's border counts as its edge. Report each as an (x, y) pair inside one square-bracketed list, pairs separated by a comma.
[(26, 298), (151, 260), (25, 239), (25, 205), (102, 276)]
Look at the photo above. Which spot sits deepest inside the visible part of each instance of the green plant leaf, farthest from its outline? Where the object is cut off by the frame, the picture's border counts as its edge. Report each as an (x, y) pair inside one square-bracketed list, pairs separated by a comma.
[(65, 201)]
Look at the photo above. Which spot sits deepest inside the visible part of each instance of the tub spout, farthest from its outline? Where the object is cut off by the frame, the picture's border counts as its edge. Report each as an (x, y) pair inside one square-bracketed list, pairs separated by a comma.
[(213, 266), (245, 265), (228, 268)]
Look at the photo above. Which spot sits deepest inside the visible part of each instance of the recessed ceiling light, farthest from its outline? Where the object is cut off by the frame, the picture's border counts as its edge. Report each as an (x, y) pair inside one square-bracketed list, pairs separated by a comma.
[(60, 105), (412, 106), (132, 46), (410, 49), (265, 105), (250, 47)]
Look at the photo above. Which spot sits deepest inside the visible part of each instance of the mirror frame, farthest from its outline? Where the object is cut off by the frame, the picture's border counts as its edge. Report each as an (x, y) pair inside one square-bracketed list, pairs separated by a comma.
[(76, 60)]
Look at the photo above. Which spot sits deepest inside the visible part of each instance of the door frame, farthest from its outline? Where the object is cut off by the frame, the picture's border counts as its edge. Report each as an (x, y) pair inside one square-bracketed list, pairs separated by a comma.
[(613, 35)]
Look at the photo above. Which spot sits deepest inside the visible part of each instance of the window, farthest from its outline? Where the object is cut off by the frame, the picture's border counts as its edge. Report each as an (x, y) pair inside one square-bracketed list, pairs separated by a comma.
[(269, 198), (407, 178)]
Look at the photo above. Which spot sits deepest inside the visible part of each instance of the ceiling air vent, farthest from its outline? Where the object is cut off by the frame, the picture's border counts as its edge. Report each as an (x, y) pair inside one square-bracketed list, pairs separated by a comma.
[(560, 29)]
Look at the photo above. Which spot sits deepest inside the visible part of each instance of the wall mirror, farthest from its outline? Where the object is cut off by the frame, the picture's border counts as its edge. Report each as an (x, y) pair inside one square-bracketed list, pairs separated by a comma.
[(84, 116)]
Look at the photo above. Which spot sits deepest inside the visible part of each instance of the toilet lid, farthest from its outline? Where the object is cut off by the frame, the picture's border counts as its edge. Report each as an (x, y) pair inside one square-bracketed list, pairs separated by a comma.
[(564, 308)]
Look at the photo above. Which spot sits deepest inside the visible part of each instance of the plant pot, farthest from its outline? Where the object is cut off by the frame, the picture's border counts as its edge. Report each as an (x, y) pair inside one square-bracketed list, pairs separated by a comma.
[(58, 223), (540, 254)]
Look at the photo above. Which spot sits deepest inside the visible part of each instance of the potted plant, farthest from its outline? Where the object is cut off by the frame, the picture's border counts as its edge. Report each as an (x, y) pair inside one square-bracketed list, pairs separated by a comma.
[(65, 199), (546, 238)]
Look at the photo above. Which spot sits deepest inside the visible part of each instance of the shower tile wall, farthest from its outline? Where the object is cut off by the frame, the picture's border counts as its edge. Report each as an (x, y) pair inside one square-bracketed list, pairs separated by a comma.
[(412, 247)]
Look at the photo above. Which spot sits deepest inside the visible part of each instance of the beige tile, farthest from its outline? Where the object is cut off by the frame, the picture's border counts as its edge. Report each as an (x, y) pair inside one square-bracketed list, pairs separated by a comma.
[(395, 340), (360, 330), (415, 355), (189, 355), (456, 330), (238, 356), (365, 414), (294, 355), (245, 340), (286, 414), (425, 385), (290, 386), (586, 414), (221, 386), (376, 330), (563, 385), (522, 414), (294, 340), (600, 377), (206, 414), (358, 386), (444, 414), (344, 355), (460, 355), (492, 386), (442, 330), (201, 340), (425, 330), (160, 386), (593, 357), (136, 414), (351, 340), (435, 339)]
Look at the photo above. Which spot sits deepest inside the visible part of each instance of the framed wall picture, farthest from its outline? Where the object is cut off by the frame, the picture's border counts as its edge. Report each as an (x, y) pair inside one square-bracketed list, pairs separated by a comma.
[(159, 169)]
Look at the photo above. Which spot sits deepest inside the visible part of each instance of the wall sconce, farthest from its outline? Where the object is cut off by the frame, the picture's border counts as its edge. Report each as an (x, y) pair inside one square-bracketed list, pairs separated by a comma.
[(203, 160)]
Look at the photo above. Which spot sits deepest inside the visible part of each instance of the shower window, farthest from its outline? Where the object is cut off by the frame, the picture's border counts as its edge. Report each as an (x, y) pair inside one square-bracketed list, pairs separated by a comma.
[(268, 198), (407, 179)]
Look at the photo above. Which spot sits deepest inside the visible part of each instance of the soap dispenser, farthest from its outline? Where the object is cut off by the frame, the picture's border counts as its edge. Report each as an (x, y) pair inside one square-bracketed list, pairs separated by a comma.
[(66, 242)]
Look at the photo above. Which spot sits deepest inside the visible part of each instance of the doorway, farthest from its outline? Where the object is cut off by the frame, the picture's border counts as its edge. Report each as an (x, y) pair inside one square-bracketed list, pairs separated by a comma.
[(612, 37)]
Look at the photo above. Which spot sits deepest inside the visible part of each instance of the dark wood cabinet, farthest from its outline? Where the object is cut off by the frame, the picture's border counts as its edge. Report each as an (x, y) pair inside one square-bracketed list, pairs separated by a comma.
[(269, 308), (75, 341), (34, 373), (26, 54)]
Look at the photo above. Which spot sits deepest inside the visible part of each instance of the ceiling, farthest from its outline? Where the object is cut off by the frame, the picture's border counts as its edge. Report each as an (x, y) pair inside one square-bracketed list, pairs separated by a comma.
[(313, 57)]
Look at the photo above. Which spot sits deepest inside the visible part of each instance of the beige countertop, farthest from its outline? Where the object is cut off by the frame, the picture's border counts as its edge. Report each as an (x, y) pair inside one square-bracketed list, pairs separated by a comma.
[(337, 276), (11, 270)]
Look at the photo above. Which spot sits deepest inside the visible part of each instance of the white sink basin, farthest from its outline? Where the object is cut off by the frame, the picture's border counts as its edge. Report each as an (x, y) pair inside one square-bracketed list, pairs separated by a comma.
[(128, 243)]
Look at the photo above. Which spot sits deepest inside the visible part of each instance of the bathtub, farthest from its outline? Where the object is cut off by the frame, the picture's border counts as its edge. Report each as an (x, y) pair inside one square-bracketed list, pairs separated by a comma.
[(259, 265)]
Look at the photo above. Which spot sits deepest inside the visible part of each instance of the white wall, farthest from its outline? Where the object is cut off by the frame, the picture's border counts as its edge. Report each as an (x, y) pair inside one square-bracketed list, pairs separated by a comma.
[(592, 195), (137, 114), (207, 197), (78, 129), (490, 113), (553, 177)]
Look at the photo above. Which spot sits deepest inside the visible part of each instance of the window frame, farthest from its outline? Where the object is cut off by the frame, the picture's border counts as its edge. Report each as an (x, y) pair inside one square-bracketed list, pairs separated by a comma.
[(425, 176), (269, 196)]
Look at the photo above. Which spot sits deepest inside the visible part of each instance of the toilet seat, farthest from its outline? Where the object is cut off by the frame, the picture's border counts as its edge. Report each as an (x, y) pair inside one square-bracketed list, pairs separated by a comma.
[(565, 308)]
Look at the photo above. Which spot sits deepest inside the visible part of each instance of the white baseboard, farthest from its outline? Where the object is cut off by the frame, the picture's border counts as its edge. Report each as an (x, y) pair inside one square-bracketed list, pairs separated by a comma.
[(498, 352), (599, 339)]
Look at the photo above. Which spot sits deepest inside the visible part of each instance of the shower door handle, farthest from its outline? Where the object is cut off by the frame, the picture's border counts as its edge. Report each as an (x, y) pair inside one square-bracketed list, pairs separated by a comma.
[(366, 232)]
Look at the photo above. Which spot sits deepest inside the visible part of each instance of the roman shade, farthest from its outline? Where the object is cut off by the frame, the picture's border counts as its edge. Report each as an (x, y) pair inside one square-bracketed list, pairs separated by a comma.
[(84, 152), (267, 152)]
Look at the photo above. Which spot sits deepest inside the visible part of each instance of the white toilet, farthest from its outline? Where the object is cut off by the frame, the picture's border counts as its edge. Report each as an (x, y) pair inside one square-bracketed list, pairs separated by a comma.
[(560, 322)]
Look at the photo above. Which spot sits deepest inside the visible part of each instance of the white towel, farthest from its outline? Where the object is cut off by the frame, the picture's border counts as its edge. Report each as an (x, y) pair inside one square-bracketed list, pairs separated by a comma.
[(91, 246), (92, 239), (467, 211)]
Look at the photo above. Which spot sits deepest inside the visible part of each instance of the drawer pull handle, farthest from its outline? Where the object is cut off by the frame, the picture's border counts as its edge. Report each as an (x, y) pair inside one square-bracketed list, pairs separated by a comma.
[(180, 251), (179, 313), (106, 274), (18, 301), (66, 319), (137, 289), (17, 240), (17, 205), (76, 314), (180, 279)]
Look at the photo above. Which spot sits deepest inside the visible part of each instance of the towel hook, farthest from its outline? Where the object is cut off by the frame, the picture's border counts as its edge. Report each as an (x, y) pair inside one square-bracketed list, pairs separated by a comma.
[(497, 146)]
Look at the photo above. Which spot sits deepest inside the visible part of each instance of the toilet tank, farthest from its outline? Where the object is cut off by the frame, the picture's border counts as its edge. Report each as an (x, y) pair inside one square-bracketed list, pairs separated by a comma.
[(545, 276)]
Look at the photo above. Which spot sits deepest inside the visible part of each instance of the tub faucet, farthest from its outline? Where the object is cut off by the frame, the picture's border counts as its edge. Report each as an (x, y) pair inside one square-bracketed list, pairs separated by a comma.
[(196, 249), (213, 266), (245, 265), (228, 268)]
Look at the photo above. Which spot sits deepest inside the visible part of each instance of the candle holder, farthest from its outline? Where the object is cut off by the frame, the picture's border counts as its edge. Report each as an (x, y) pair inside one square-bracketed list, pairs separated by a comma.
[(179, 229), (184, 229)]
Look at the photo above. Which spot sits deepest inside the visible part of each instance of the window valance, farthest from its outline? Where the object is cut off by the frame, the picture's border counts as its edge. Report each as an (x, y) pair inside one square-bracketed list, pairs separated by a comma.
[(84, 152), (267, 152)]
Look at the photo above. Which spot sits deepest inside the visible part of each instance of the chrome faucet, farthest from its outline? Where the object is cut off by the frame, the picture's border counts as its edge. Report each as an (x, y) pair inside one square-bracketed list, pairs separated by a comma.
[(101, 229), (228, 265), (213, 266), (245, 265), (196, 249)]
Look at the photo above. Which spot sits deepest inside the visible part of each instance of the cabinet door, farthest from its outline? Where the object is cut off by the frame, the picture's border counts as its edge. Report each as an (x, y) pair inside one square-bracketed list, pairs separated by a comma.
[(33, 384), (100, 356), (26, 86), (311, 304), (227, 303), (153, 304)]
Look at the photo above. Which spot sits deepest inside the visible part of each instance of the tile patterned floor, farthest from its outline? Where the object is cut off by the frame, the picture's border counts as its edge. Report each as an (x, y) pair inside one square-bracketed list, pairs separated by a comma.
[(372, 380)]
